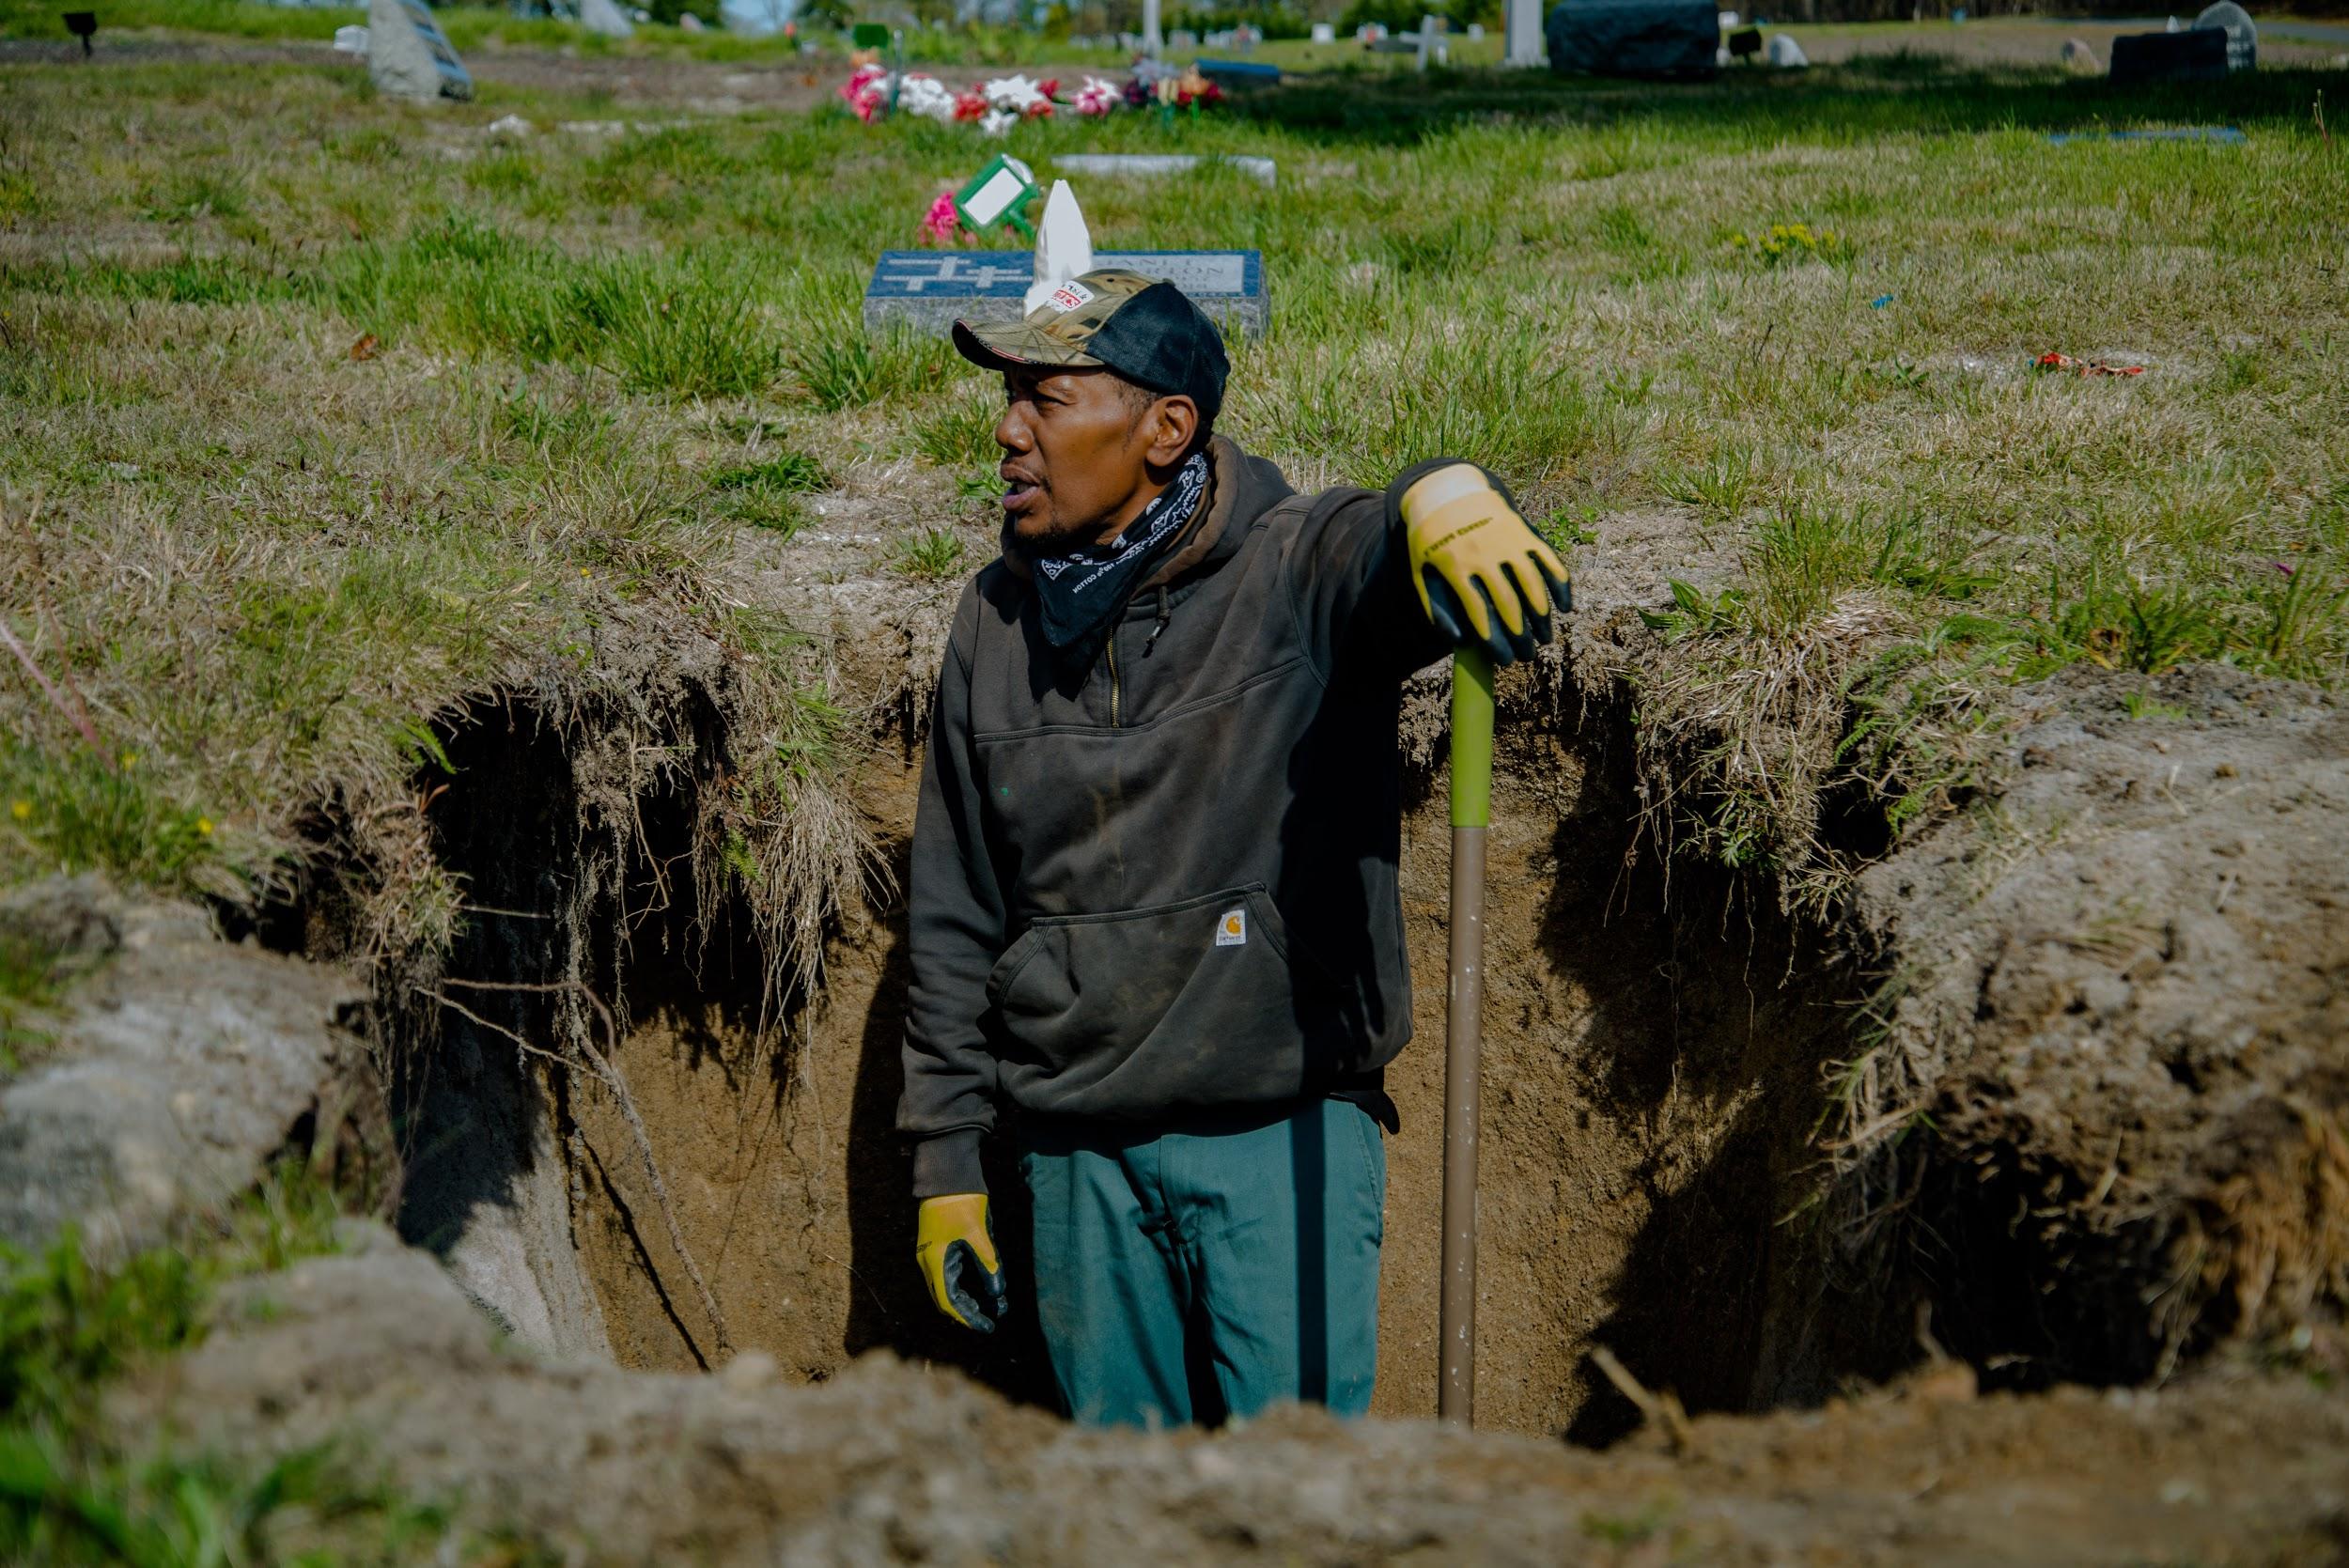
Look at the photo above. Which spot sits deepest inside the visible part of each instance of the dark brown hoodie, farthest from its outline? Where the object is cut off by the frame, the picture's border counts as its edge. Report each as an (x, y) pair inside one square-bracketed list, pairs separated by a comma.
[(1165, 882)]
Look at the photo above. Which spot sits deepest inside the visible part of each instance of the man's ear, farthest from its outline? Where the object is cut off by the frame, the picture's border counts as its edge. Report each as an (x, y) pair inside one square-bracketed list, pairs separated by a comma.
[(1173, 423)]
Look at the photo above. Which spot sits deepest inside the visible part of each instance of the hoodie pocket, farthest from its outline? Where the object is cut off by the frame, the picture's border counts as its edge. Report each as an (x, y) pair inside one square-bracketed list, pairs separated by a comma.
[(1145, 1010)]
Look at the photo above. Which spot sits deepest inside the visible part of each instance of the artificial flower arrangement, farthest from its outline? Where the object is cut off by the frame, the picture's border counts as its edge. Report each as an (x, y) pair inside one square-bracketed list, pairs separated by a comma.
[(1004, 102), (942, 224)]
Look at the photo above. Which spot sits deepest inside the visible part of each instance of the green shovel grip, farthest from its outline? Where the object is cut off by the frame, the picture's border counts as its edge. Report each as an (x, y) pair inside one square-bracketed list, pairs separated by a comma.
[(1471, 738)]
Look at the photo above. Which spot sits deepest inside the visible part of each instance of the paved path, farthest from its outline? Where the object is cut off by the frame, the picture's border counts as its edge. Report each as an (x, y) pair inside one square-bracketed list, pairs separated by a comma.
[(2314, 32)]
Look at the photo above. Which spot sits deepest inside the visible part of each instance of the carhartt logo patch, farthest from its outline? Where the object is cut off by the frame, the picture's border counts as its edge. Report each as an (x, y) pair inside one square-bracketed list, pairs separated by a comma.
[(1068, 296), (1232, 930)]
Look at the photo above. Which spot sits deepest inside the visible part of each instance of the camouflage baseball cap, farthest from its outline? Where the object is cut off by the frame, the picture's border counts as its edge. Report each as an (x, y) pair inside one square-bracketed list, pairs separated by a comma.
[(1144, 329)]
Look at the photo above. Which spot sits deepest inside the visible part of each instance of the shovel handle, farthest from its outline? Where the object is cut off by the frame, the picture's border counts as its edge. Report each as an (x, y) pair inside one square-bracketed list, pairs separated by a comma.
[(1471, 738), (1471, 810)]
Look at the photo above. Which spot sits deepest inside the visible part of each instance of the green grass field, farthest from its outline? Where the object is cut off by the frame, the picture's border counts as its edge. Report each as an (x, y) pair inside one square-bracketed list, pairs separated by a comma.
[(254, 559), (472, 28)]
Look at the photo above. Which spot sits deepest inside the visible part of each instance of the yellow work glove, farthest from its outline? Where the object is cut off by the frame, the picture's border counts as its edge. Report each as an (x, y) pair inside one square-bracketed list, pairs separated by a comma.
[(955, 1247), (1483, 576)]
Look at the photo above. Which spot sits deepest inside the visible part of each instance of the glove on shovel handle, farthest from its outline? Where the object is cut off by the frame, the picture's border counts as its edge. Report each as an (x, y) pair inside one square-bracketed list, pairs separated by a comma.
[(1471, 810)]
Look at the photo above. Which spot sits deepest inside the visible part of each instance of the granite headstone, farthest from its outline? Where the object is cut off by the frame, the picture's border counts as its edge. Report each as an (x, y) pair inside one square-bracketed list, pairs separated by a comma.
[(2194, 54), (1635, 38)]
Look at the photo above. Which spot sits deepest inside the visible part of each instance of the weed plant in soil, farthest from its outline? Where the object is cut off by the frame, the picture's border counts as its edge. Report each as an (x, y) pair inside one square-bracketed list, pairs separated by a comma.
[(329, 412)]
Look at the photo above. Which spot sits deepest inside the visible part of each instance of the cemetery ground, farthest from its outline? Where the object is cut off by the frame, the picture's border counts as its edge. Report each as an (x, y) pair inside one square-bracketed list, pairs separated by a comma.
[(489, 576)]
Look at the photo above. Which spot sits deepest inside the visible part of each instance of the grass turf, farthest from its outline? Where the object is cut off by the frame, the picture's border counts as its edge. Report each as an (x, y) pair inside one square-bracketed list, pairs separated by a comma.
[(328, 411)]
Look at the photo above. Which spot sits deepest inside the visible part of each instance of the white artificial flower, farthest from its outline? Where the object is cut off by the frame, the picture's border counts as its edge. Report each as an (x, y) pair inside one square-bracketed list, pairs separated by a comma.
[(928, 97), (1014, 93)]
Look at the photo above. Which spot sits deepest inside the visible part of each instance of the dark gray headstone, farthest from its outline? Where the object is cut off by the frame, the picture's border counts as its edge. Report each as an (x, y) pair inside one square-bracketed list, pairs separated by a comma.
[(409, 57), (2196, 55), (929, 290), (2243, 37), (1635, 38)]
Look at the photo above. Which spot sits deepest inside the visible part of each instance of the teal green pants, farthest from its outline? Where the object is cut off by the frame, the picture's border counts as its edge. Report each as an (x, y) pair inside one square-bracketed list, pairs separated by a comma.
[(1207, 1270)]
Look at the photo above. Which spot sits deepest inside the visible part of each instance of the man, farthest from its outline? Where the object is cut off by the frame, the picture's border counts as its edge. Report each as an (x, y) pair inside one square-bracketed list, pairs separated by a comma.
[(1154, 904)]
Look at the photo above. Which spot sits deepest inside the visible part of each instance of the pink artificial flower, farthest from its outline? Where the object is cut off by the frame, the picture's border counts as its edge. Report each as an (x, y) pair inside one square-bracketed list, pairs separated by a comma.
[(1041, 108), (1049, 87), (969, 105), (864, 91), (940, 223)]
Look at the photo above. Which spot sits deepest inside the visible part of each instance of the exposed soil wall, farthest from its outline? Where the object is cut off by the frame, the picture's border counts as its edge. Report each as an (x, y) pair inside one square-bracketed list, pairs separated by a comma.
[(2096, 1123), (1653, 1078)]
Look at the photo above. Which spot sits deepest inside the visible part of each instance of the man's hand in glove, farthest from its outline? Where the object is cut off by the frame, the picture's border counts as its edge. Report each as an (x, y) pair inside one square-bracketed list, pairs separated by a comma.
[(1483, 576), (955, 1247)]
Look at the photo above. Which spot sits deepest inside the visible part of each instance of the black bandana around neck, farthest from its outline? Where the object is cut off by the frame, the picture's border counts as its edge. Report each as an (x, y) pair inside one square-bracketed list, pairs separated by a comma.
[(1079, 589)]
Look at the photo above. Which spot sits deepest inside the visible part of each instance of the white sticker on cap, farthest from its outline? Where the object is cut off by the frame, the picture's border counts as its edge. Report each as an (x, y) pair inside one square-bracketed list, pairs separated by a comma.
[(1069, 295)]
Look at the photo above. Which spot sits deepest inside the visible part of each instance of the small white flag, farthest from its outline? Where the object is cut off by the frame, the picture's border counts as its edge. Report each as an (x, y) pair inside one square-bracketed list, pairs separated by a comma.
[(1063, 246)]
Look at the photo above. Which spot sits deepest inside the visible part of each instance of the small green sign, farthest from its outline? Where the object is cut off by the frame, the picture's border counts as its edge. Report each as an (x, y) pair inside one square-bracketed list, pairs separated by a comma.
[(869, 34), (996, 195)]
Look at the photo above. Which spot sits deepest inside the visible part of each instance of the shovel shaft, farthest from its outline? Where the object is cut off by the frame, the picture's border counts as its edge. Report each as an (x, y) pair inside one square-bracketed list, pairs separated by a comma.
[(1471, 800)]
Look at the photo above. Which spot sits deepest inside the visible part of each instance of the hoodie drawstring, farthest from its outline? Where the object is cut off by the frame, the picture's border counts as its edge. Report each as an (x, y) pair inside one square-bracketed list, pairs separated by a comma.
[(1166, 613)]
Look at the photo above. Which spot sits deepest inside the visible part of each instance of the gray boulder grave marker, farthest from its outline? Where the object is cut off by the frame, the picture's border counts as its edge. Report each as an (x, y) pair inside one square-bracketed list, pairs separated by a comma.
[(2243, 35), (409, 57), (928, 291), (603, 17)]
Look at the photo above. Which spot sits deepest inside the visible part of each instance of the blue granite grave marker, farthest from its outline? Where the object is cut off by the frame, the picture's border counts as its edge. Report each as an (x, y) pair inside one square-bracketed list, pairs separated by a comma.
[(928, 291)]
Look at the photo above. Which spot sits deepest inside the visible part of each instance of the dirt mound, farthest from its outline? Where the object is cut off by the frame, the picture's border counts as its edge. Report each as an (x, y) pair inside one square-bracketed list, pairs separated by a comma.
[(2118, 1003), (885, 1463)]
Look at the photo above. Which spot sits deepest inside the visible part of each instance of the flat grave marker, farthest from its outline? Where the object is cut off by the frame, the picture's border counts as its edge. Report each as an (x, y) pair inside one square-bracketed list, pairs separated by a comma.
[(1143, 165), (928, 291)]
